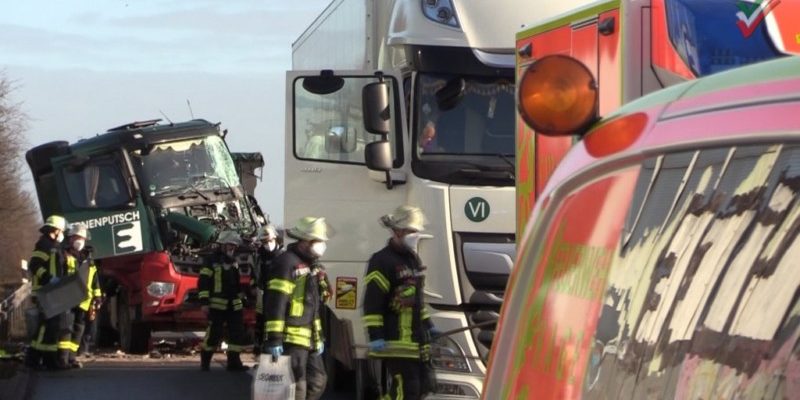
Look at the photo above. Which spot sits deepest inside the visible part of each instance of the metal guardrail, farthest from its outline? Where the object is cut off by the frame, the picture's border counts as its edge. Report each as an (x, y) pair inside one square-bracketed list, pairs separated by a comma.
[(12, 314)]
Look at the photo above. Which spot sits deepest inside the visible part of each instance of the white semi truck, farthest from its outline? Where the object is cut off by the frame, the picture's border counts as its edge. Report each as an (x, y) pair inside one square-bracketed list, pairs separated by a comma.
[(438, 133)]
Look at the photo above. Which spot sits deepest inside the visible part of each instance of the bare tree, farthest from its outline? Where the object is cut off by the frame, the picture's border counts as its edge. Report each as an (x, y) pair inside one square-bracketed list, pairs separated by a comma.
[(19, 218)]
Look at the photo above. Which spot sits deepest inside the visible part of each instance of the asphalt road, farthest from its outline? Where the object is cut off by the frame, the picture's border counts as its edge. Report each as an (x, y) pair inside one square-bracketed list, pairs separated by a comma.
[(148, 380)]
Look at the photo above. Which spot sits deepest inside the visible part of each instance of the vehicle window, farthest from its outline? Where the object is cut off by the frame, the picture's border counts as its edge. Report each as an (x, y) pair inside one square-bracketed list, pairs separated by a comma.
[(465, 116), (330, 127), (99, 183), (680, 282)]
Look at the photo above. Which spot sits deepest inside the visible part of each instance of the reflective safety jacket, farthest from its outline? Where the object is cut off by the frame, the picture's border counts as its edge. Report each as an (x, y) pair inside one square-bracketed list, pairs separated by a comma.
[(292, 300), (46, 262), (258, 278), (393, 303), (219, 286)]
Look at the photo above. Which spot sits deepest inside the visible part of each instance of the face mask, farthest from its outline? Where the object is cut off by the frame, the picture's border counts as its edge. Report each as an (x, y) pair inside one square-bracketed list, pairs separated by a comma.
[(60, 237), (78, 244), (318, 248), (271, 245), (412, 240)]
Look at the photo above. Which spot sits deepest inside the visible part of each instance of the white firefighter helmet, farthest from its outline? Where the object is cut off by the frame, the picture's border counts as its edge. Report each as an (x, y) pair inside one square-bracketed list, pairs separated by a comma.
[(78, 230), (311, 228), (267, 232), (57, 222), (405, 217), (229, 237)]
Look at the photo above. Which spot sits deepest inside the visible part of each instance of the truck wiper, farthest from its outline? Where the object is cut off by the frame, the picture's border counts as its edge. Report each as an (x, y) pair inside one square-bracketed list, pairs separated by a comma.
[(191, 188)]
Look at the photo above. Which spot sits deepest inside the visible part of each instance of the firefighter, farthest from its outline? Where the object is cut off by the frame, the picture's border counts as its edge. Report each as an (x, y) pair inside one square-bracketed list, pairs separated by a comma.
[(268, 247), (296, 289), (46, 267), (76, 253), (398, 325), (222, 299)]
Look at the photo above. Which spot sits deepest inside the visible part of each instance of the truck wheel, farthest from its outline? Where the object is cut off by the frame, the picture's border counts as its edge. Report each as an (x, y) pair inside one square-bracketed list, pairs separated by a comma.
[(134, 336)]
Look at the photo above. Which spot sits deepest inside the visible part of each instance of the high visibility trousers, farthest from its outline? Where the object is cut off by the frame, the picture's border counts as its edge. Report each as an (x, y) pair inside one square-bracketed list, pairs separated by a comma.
[(309, 372), (406, 378), (65, 345), (217, 319), (45, 343), (78, 328)]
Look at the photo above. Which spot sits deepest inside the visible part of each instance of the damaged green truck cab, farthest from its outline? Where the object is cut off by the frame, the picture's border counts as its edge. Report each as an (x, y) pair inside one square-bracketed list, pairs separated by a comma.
[(154, 197)]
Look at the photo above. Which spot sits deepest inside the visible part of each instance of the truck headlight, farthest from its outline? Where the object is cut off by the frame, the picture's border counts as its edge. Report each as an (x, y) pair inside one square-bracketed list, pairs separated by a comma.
[(441, 11), (446, 354), (160, 289)]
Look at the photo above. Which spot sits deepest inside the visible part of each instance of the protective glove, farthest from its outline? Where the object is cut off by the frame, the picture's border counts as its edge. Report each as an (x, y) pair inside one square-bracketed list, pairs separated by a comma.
[(276, 352), (54, 280), (321, 348), (377, 345)]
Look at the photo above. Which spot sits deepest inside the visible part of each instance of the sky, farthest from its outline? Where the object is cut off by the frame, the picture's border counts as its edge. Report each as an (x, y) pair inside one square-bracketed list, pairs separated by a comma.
[(80, 67)]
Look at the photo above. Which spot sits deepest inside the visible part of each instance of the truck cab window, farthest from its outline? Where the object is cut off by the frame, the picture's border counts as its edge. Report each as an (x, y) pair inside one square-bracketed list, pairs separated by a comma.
[(98, 184), (329, 127)]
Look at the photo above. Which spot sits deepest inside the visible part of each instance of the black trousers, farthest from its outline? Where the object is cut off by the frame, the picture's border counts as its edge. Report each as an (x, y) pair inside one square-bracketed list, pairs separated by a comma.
[(309, 372), (258, 333), (217, 321), (78, 328), (406, 378)]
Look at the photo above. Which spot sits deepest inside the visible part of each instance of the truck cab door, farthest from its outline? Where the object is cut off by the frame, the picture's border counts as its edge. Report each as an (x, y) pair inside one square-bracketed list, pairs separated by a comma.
[(325, 167)]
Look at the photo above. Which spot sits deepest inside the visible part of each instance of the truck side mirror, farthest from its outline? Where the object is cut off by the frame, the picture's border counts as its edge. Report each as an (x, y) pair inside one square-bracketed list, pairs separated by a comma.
[(375, 105), (378, 156)]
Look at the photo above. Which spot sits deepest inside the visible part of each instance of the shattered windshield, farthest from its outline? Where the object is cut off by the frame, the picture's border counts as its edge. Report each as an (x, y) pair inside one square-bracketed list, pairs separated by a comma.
[(465, 115), (196, 164)]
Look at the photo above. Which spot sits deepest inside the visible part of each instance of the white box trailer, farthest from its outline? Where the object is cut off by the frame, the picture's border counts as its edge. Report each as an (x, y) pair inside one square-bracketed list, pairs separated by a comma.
[(446, 62)]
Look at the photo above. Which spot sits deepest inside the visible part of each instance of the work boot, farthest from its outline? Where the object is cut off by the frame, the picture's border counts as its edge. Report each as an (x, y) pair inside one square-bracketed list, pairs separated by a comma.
[(235, 363), (205, 360)]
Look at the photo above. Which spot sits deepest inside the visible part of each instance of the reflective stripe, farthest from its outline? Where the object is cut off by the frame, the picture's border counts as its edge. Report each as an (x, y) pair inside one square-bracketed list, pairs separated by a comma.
[(281, 285), (298, 295), (40, 254), (237, 304), (53, 270), (40, 272), (235, 348), (397, 349), (203, 294), (405, 324), (206, 271), (65, 345), (400, 393), (90, 294), (298, 335), (205, 345), (218, 303), (217, 279), (38, 345), (72, 265), (274, 326), (379, 280), (425, 313), (372, 320)]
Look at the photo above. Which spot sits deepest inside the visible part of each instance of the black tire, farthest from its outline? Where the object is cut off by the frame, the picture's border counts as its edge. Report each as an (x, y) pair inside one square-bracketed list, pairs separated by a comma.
[(134, 335)]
